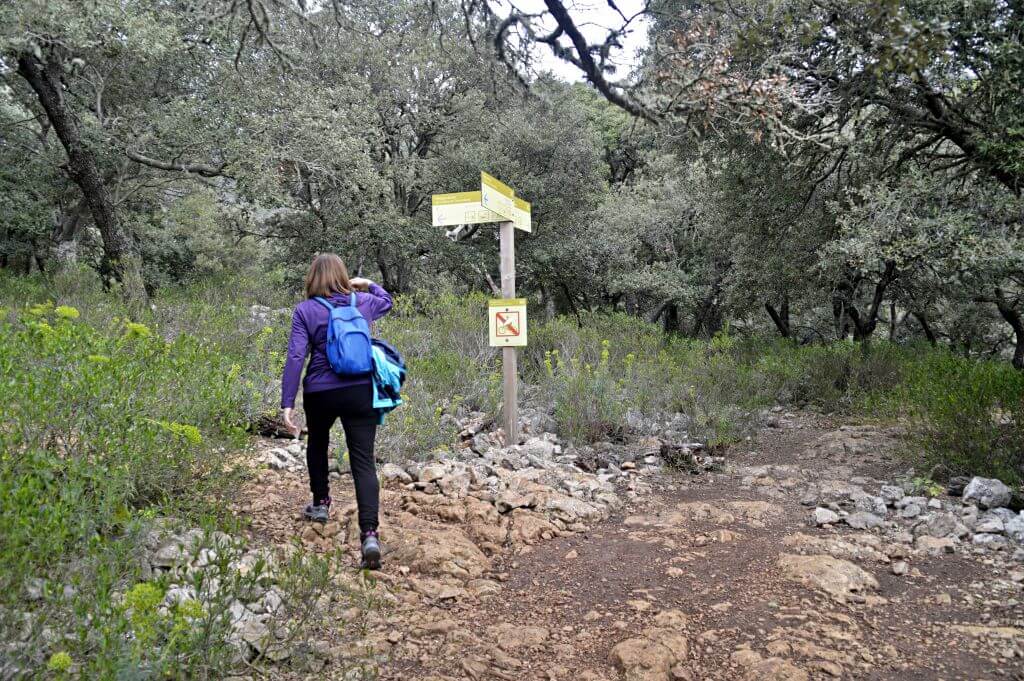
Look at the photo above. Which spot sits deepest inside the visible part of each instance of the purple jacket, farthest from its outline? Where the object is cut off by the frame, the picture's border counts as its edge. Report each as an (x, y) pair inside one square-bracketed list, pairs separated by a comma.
[(309, 332)]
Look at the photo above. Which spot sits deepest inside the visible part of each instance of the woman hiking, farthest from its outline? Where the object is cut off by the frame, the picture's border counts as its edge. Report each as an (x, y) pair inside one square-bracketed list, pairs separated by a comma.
[(327, 396)]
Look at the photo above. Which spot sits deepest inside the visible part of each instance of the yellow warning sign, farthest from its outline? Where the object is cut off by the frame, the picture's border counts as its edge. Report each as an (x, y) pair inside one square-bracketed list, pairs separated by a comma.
[(507, 322)]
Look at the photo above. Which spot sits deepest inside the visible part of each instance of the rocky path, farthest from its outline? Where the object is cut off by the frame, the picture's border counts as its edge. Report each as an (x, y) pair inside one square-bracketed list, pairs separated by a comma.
[(499, 569)]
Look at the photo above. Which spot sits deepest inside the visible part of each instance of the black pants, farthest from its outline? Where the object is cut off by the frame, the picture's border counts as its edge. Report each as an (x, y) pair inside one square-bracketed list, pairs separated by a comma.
[(354, 406)]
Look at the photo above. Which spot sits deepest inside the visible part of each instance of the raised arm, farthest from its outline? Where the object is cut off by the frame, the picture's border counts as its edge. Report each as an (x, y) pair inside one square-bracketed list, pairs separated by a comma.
[(381, 301)]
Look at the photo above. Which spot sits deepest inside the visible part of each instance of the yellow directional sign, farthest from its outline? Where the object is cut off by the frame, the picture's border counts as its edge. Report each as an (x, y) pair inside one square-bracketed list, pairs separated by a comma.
[(495, 202), (522, 214), (507, 321), (460, 208), (497, 196)]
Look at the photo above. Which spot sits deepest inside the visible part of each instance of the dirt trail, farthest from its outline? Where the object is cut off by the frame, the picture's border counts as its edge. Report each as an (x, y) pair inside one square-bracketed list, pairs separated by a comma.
[(712, 576)]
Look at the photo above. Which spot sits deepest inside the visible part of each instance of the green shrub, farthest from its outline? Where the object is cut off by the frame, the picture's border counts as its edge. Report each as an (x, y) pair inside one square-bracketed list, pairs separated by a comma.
[(451, 369), (108, 424), (587, 398), (968, 414)]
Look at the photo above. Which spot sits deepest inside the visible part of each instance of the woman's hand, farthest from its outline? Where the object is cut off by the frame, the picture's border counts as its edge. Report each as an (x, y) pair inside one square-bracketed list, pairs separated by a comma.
[(359, 284), (286, 415)]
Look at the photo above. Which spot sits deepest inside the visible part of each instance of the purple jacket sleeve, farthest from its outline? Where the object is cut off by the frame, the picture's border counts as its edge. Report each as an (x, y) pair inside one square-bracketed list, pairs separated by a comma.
[(381, 302), (298, 348)]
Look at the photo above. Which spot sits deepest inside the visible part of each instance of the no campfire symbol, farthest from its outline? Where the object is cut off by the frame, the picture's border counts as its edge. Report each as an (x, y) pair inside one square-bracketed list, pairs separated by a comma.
[(507, 322)]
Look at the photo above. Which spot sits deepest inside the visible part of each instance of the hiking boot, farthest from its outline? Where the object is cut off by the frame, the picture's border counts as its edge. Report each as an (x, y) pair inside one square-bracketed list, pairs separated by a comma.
[(371, 551), (318, 512)]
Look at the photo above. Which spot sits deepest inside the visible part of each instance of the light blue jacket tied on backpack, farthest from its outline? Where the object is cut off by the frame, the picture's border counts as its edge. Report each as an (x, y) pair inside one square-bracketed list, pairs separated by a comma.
[(388, 377)]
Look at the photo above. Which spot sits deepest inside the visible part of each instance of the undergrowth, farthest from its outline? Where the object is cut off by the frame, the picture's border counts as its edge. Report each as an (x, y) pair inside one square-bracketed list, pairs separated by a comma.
[(108, 424), (107, 428)]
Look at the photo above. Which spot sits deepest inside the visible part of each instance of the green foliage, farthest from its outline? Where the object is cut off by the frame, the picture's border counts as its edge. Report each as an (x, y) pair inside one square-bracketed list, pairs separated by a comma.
[(594, 372), (98, 441), (927, 487), (969, 414), (108, 425), (963, 413), (59, 662), (451, 369), (140, 604), (587, 397)]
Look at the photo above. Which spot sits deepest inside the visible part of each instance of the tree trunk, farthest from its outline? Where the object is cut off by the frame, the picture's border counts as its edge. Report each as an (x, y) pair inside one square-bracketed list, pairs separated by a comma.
[(1014, 319), (65, 252), (864, 326), (571, 301), (671, 318), (926, 327), (656, 313), (119, 250), (839, 317), (780, 317)]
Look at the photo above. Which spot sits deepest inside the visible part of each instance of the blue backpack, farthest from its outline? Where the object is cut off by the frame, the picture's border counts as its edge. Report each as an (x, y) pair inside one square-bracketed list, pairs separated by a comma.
[(348, 339)]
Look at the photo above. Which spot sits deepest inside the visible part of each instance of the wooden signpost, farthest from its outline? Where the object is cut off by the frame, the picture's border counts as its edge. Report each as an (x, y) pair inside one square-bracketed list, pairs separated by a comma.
[(496, 202)]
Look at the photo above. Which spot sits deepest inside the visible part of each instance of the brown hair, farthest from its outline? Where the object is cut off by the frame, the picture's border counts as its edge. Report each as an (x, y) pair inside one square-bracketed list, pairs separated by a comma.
[(327, 274)]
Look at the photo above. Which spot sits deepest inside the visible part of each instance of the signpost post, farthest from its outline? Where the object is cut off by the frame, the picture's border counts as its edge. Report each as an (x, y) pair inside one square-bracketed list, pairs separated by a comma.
[(509, 357), (496, 202)]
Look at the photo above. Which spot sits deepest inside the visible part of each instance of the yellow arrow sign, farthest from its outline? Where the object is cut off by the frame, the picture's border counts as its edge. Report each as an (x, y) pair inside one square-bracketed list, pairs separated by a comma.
[(497, 196), (495, 202), (521, 217), (460, 208)]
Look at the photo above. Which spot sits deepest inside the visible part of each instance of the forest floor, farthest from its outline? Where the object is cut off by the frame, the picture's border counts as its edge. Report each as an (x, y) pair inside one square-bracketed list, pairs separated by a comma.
[(719, 575)]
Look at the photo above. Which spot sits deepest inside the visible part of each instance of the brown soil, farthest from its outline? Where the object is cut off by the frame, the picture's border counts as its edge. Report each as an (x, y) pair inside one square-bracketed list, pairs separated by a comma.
[(718, 565)]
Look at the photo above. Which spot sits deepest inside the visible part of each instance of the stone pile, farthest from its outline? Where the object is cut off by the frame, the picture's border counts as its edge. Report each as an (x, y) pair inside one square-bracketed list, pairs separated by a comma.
[(979, 518), (186, 557), (535, 478), (261, 315), (291, 457)]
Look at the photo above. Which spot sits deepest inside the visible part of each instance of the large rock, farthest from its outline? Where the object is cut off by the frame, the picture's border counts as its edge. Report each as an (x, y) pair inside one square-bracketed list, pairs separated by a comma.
[(530, 528), (933, 546), (173, 550), (862, 520), (432, 472), (540, 448), (990, 540), (455, 485), (393, 472), (940, 524), (510, 636), (824, 516), (840, 579), (440, 552), (1014, 529), (891, 493), (759, 668), (572, 510), (987, 493), (870, 504), (509, 500), (990, 523), (837, 492), (650, 657)]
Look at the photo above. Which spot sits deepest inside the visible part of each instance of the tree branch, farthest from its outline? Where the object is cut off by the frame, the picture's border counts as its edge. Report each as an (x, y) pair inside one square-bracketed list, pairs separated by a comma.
[(201, 169)]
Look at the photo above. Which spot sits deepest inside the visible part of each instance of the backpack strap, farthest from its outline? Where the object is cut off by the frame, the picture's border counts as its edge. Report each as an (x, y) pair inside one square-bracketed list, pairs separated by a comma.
[(352, 299), (323, 301)]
